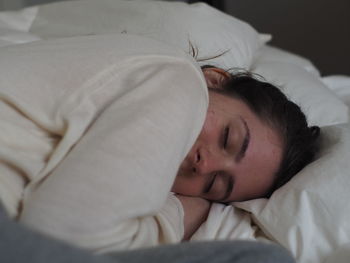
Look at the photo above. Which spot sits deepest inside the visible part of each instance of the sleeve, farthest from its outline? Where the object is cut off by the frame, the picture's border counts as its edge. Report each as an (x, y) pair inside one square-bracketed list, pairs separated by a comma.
[(226, 222), (108, 191)]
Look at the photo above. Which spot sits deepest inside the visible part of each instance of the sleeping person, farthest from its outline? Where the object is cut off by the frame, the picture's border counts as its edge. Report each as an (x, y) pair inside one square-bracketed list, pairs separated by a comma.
[(117, 138), (253, 141)]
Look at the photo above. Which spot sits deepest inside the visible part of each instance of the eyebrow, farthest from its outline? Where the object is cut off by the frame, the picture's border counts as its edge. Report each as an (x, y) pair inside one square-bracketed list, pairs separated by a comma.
[(245, 143)]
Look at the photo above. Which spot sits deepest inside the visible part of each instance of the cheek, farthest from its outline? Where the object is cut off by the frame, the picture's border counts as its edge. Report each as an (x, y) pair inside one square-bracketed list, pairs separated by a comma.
[(257, 174)]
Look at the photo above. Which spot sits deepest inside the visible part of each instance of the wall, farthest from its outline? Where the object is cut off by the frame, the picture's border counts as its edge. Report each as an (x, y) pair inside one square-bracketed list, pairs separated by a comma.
[(10, 4), (318, 30), (17, 4)]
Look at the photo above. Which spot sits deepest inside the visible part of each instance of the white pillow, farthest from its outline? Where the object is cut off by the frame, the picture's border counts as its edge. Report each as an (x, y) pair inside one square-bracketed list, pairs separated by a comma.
[(295, 77), (340, 85), (14, 26), (212, 31), (272, 53), (310, 214)]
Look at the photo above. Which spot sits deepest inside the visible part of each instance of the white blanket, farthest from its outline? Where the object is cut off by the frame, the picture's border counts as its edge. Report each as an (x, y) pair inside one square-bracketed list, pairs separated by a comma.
[(116, 116)]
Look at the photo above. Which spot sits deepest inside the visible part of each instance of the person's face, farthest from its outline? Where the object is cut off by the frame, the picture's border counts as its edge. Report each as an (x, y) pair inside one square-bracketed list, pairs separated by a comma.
[(235, 157)]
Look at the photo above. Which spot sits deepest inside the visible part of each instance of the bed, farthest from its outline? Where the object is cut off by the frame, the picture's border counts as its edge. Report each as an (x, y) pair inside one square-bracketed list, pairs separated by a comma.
[(309, 215)]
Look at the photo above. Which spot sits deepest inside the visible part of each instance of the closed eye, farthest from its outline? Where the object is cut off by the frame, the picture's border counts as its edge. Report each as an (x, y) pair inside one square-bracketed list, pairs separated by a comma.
[(209, 184), (226, 137), (219, 194)]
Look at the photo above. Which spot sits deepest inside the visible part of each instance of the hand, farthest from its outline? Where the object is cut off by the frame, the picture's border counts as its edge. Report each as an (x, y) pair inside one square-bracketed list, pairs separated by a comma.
[(196, 212)]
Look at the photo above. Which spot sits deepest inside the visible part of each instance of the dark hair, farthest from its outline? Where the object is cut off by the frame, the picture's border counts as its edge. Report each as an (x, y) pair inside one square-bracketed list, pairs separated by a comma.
[(275, 109)]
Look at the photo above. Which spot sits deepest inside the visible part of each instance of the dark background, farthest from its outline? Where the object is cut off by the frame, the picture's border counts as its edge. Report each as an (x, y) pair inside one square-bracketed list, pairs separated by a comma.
[(316, 29)]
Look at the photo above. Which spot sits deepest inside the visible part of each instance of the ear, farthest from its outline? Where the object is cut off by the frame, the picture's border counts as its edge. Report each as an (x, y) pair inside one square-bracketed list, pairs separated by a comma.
[(215, 77)]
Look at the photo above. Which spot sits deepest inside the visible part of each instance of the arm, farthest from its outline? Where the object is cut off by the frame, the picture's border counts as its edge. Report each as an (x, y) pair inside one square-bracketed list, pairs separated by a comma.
[(196, 211), (107, 191)]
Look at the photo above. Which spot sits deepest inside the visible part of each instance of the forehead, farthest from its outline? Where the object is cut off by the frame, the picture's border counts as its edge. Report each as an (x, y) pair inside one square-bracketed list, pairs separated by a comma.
[(227, 105)]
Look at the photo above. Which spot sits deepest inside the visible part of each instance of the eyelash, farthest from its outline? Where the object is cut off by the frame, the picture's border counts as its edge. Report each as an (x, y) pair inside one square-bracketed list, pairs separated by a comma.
[(226, 136), (208, 189)]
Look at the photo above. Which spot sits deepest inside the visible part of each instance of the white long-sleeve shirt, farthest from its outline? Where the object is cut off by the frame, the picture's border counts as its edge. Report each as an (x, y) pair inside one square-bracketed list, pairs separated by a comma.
[(93, 131)]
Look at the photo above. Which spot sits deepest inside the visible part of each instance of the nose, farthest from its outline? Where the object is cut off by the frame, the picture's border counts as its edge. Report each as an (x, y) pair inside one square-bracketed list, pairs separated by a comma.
[(205, 162)]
